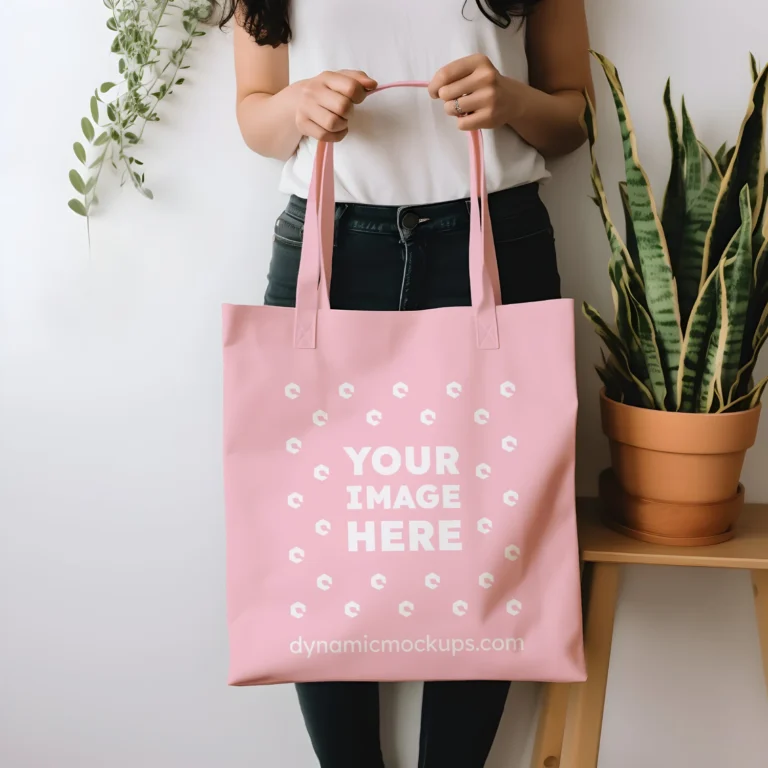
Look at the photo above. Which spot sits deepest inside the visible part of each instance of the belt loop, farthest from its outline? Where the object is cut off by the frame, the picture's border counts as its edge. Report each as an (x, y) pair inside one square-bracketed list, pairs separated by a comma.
[(338, 215)]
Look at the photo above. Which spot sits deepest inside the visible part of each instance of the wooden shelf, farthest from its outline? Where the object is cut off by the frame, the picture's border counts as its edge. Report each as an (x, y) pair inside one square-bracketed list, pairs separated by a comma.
[(748, 549)]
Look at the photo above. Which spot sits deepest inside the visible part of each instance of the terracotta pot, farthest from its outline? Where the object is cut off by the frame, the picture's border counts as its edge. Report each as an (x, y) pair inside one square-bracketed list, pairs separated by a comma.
[(660, 522), (688, 464)]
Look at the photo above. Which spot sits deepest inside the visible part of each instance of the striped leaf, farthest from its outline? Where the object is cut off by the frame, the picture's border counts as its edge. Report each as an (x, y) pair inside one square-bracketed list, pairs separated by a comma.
[(736, 291), (698, 220), (714, 165), (618, 248), (660, 289), (627, 324), (759, 301), (747, 168), (727, 159), (615, 384), (693, 163), (695, 346), (756, 343), (629, 227), (613, 388), (760, 269), (673, 210), (618, 351), (711, 364), (753, 68), (720, 157), (720, 346), (649, 349), (761, 227), (748, 401), (617, 272)]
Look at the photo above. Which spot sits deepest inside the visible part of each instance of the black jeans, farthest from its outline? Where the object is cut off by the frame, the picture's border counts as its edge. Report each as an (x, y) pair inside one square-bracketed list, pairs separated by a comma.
[(410, 258)]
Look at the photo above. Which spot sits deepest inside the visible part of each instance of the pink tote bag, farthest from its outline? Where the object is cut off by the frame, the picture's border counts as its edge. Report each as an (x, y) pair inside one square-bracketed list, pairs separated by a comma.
[(400, 486)]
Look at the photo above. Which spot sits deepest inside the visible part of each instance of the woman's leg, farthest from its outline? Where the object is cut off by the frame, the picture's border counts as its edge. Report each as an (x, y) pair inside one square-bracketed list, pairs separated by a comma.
[(343, 723), (459, 721)]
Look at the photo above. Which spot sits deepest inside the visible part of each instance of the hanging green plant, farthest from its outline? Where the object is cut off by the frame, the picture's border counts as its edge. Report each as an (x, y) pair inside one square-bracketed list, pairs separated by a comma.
[(148, 73)]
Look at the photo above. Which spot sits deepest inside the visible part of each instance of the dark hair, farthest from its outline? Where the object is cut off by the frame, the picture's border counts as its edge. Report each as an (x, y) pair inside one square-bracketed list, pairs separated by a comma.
[(268, 22)]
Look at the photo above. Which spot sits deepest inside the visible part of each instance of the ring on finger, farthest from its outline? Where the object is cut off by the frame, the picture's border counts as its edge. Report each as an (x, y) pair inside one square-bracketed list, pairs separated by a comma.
[(457, 107)]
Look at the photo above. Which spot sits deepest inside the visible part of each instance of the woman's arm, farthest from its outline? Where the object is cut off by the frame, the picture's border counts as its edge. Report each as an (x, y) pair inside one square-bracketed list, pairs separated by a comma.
[(547, 113), (273, 115), (266, 106)]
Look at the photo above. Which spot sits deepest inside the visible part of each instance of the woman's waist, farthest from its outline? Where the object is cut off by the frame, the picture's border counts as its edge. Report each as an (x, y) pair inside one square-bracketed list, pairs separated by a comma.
[(521, 203)]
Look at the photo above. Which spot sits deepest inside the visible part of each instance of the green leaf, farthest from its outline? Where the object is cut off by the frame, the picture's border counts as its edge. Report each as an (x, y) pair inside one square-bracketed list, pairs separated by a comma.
[(698, 219), (636, 330), (629, 227), (615, 384), (77, 181), (720, 156), (727, 160), (650, 348), (619, 250), (87, 127), (710, 368), (756, 346), (147, 193), (111, 24), (103, 138), (714, 165), (79, 151), (658, 279), (747, 168), (693, 164), (95, 109), (90, 185), (748, 401), (695, 346), (626, 324), (673, 211), (618, 351), (732, 279), (761, 229), (106, 87), (111, 114), (78, 207), (735, 294), (180, 81)]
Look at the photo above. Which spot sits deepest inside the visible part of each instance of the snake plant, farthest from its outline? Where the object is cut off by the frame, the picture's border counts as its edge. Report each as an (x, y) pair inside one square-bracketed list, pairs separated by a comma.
[(689, 281)]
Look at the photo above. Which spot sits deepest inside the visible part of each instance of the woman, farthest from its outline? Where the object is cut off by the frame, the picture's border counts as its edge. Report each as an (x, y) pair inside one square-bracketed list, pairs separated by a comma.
[(305, 72)]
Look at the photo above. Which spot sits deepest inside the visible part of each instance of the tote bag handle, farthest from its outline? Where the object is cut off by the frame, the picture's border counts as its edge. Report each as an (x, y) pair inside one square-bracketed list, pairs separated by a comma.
[(312, 290)]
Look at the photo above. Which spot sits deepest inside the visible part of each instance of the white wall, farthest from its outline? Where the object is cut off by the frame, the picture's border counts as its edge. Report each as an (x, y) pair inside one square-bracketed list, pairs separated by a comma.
[(112, 633)]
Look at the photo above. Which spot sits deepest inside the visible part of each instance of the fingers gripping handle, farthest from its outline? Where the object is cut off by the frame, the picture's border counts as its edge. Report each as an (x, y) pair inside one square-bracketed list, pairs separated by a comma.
[(312, 290)]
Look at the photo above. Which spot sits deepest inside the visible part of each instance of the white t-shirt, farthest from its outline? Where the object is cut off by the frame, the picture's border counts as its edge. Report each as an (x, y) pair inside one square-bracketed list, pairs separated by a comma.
[(402, 149)]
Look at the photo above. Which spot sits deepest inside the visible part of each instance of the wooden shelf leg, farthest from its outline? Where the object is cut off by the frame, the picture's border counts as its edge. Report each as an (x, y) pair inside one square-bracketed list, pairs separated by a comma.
[(760, 586), (549, 735), (586, 702)]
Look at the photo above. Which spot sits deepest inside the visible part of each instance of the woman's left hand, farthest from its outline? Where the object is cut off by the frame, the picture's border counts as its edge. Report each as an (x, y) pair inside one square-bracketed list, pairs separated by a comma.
[(485, 98)]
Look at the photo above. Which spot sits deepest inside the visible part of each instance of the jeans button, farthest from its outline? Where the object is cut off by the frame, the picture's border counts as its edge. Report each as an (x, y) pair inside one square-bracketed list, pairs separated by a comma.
[(410, 220)]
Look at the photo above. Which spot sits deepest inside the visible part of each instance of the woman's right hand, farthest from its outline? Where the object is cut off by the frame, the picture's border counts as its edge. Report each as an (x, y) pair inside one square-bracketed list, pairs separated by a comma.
[(326, 101)]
